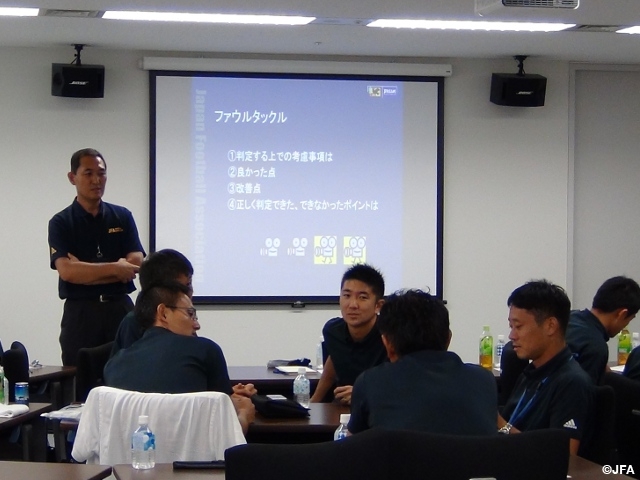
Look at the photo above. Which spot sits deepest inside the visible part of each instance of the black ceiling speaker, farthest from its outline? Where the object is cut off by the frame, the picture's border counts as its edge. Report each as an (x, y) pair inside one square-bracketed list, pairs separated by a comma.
[(518, 89), (77, 80)]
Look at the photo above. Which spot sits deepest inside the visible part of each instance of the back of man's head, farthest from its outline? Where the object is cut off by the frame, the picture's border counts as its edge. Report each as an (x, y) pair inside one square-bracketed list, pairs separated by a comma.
[(618, 292), (543, 299), (368, 275), (164, 266), (167, 293), (413, 320)]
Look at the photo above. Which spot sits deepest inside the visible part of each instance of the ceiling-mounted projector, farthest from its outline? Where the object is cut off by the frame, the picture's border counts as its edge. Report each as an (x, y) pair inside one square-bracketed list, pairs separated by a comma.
[(487, 6)]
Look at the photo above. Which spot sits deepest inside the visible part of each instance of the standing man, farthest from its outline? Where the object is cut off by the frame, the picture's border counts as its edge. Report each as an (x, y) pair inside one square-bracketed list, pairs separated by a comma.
[(353, 342), (553, 391), (95, 248), (614, 305), (423, 387)]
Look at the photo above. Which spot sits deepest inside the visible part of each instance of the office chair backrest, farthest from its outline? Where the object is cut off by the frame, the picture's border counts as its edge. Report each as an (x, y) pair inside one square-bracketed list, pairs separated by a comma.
[(397, 454), (16, 367), (535, 455), (510, 369), (90, 364), (188, 426), (365, 455), (600, 446), (627, 418)]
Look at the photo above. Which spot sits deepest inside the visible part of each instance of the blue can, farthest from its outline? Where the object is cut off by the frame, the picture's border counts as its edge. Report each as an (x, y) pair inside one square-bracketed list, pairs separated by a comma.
[(22, 393)]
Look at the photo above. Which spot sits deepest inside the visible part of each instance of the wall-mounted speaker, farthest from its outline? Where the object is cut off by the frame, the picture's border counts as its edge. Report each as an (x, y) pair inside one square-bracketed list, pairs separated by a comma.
[(513, 90), (79, 81)]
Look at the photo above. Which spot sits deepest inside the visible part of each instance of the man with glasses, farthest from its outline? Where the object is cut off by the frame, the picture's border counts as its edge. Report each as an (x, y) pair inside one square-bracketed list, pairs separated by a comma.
[(170, 358)]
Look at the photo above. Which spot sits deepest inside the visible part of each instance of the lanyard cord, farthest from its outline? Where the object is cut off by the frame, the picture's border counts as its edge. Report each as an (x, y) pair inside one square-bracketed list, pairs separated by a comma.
[(518, 413)]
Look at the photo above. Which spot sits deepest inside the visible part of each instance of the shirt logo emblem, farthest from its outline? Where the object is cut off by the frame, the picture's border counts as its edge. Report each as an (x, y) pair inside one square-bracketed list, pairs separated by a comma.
[(570, 424), (115, 230), (52, 250)]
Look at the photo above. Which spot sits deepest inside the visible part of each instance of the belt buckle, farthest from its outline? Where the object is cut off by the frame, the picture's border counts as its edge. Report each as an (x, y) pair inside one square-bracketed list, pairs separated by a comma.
[(103, 298)]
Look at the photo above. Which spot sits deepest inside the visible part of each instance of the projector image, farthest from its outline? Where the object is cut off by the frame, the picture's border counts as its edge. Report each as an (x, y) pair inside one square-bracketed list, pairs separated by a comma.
[(487, 6)]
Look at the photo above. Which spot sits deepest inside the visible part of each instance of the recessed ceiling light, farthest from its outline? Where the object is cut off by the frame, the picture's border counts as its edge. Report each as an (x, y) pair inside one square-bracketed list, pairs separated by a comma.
[(18, 12), (634, 30), (471, 25), (208, 18)]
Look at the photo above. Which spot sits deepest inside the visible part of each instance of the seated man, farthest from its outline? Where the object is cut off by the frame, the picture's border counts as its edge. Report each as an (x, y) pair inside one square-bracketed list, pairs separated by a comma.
[(425, 387), (352, 342), (162, 266), (169, 358), (553, 391), (614, 305)]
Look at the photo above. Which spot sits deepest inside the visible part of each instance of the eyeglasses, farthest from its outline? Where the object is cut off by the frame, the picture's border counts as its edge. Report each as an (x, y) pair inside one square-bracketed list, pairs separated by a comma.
[(192, 312)]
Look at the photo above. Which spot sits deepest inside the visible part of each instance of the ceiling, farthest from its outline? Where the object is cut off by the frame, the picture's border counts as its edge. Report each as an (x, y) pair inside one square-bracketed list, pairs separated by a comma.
[(337, 32)]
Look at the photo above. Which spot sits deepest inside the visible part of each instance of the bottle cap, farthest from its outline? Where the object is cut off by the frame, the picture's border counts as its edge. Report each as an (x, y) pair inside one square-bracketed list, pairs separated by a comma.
[(500, 337), (344, 418), (636, 335), (143, 419), (302, 370), (486, 327)]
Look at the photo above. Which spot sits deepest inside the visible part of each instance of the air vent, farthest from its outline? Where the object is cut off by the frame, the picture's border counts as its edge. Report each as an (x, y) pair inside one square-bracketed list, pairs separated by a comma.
[(70, 13), (486, 6)]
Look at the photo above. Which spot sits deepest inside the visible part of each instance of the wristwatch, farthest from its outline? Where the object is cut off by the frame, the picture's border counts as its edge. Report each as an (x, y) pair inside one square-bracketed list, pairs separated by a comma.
[(506, 429)]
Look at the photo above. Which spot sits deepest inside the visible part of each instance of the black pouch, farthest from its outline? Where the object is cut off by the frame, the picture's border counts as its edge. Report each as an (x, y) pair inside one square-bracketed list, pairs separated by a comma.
[(270, 408)]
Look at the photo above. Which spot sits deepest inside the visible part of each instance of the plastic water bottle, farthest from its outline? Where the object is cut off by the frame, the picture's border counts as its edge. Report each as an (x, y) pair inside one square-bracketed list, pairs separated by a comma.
[(2, 391), (486, 348), (498, 352), (301, 388), (319, 356), (635, 342), (341, 431), (143, 446), (5, 388), (624, 346)]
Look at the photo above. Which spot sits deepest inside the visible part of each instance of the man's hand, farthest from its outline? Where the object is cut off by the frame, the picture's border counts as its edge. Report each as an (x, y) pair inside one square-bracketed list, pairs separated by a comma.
[(247, 390), (125, 271), (343, 394), (245, 410)]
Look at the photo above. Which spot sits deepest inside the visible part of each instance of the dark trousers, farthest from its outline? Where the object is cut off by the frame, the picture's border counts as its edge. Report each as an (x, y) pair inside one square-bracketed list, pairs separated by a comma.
[(90, 323)]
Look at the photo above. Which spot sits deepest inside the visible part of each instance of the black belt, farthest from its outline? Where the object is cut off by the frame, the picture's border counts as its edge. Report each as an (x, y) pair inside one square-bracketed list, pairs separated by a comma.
[(103, 298)]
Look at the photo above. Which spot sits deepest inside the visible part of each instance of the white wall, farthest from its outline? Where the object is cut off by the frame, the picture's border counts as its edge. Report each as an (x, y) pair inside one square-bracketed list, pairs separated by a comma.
[(506, 172)]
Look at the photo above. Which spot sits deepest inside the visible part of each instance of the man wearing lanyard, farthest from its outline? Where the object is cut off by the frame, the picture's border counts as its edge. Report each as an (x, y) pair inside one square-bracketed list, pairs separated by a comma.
[(95, 248), (553, 391)]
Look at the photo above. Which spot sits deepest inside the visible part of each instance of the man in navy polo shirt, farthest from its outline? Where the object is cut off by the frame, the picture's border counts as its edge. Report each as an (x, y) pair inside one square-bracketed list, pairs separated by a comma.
[(614, 305), (423, 387), (553, 391), (352, 342), (95, 248)]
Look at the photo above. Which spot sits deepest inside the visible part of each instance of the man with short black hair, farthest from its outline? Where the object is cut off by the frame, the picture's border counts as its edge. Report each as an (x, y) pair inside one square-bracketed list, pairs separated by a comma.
[(553, 391), (163, 266), (424, 387), (95, 248), (170, 358), (352, 341), (614, 305)]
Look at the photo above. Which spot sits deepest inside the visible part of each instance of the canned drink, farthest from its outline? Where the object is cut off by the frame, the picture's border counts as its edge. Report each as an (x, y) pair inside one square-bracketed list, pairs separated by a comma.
[(22, 393)]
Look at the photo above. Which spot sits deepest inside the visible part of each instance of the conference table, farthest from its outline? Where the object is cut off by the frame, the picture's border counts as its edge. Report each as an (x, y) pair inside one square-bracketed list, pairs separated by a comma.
[(52, 471), (34, 431), (61, 382), (579, 469), (267, 380)]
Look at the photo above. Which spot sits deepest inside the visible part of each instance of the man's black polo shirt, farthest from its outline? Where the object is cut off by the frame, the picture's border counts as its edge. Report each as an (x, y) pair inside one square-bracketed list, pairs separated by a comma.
[(351, 358), (107, 237), (559, 394), (587, 339)]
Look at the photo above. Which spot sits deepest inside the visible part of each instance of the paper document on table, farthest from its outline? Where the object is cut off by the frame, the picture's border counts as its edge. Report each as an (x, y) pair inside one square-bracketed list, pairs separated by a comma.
[(618, 368), (10, 411), (293, 370)]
